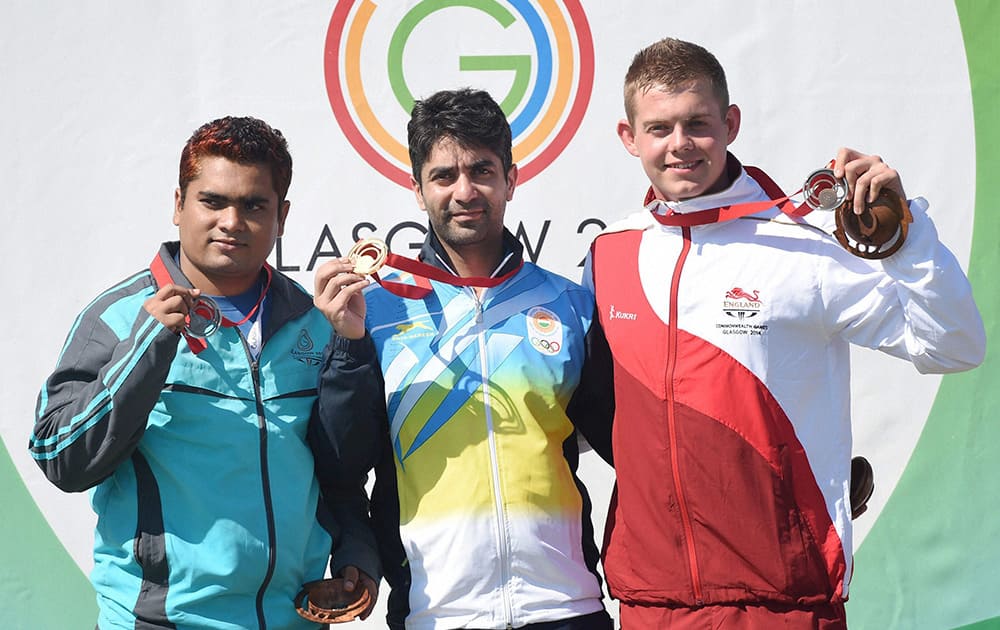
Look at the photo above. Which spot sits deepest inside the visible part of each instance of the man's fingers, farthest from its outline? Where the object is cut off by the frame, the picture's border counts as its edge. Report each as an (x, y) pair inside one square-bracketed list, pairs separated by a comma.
[(353, 284), (186, 295), (172, 299), (333, 278), (344, 287), (324, 274), (844, 155), (887, 177), (866, 176), (870, 182), (350, 575), (372, 587)]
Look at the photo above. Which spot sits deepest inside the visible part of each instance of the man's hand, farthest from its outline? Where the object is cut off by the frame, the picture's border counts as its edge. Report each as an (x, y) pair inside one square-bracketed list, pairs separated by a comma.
[(171, 304), (353, 578), (866, 176), (338, 296)]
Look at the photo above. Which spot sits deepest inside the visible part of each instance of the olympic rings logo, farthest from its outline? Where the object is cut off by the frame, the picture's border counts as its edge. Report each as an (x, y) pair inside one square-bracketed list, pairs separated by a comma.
[(374, 50), (545, 345)]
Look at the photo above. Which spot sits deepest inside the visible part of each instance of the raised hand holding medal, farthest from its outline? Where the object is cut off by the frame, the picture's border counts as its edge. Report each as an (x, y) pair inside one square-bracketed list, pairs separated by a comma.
[(339, 283), (875, 221), (184, 310), (187, 312), (878, 231), (337, 294)]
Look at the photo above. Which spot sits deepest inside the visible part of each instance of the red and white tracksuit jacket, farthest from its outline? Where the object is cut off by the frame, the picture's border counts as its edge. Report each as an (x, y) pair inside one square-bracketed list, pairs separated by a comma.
[(732, 433)]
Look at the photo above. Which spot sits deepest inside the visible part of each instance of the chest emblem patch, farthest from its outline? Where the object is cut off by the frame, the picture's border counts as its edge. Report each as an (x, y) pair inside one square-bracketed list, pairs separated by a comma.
[(741, 304), (545, 331), (742, 308)]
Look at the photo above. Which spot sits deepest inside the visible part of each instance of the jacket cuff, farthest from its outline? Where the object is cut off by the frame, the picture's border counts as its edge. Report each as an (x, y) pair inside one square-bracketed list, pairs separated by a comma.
[(352, 350)]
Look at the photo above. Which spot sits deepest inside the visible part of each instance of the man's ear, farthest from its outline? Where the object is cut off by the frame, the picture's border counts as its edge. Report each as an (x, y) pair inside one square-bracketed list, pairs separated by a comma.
[(732, 123), (418, 193), (627, 136), (282, 215), (178, 204), (511, 181)]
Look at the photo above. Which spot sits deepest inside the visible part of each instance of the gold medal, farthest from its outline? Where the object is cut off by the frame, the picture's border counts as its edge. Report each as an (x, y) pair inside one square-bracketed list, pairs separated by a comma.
[(368, 255)]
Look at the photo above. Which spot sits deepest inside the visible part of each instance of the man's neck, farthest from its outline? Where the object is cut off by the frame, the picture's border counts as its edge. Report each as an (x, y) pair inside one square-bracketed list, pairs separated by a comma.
[(475, 264), (218, 284)]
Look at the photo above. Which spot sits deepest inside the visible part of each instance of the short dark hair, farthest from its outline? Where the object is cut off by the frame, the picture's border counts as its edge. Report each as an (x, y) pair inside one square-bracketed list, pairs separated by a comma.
[(241, 139), (670, 64), (471, 118)]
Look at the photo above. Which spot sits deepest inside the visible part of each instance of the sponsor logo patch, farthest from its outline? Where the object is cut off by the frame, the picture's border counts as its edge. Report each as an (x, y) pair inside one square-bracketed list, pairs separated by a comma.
[(305, 350), (412, 330), (616, 314)]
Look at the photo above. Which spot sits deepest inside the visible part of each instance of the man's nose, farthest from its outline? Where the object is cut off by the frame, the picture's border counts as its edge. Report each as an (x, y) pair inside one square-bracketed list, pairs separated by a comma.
[(229, 218), (465, 189), (680, 139)]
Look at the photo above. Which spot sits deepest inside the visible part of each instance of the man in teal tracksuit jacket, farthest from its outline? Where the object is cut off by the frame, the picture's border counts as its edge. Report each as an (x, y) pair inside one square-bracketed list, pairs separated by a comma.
[(203, 482)]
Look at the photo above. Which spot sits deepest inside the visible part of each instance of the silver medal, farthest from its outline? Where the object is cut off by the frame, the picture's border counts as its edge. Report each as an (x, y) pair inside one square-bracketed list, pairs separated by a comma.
[(824, 191), (204, 318)]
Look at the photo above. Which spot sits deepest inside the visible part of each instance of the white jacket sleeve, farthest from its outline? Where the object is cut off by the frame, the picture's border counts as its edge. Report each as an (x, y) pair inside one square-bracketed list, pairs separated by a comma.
[(916, 304)]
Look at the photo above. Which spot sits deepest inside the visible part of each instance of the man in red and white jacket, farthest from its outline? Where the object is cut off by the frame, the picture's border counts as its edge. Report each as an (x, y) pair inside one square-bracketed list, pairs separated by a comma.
[(728, 345)]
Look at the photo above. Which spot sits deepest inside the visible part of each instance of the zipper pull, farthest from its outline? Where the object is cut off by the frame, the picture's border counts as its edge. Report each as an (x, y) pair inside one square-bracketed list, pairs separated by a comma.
[(479, 307)]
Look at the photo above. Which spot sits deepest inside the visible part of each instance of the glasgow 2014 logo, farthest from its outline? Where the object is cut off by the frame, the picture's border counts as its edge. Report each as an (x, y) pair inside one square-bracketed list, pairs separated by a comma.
[(536, 57)]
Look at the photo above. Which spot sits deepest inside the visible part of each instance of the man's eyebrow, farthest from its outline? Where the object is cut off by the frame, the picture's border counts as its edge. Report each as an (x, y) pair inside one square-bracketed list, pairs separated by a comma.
[(450, 170), (694, 116), (485, 163), (244, 200), (440, 170)]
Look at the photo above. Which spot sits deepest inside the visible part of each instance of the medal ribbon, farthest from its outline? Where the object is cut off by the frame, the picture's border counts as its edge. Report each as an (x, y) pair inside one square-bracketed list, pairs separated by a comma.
[(422, 273), (735, 211), (197, 344), (260, 300)]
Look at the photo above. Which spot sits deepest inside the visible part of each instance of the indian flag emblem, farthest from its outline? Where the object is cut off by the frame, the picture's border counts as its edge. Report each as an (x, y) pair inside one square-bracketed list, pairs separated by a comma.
[(544, 322), (544, 330)]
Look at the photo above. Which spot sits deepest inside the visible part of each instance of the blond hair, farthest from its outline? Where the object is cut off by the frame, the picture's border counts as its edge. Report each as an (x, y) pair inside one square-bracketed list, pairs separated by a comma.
[(671, 64)]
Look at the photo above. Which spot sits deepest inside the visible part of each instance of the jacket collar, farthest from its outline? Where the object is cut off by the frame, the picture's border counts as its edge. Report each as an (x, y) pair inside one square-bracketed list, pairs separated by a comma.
[(433, 253)]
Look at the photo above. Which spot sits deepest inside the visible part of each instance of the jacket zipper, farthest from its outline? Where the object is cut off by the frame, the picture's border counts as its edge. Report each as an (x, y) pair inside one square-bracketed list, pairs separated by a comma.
[(503, 543), (265, 482), (672, 419)]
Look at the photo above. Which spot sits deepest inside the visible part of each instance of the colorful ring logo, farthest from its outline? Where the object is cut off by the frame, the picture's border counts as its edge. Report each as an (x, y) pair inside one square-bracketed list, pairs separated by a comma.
[(549, 88)]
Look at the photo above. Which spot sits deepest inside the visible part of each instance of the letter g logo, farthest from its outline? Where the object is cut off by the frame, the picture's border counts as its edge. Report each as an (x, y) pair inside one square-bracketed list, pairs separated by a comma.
[(535, 57)]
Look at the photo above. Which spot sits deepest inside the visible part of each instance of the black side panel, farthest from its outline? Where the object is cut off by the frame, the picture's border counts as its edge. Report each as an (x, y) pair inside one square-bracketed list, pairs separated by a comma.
[(150, 551)]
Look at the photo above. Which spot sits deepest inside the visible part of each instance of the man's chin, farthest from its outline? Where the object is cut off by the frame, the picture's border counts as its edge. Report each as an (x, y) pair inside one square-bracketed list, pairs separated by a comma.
[(467, 223), (684, 191), (232, 267), (458, 236)]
